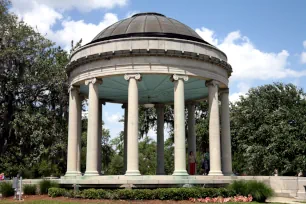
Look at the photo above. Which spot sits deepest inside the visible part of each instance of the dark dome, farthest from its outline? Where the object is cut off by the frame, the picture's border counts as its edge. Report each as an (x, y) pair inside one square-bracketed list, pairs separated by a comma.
[(148, 25)]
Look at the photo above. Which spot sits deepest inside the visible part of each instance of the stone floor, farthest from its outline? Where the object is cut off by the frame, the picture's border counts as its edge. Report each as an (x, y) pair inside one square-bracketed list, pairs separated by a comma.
[(285, 200)]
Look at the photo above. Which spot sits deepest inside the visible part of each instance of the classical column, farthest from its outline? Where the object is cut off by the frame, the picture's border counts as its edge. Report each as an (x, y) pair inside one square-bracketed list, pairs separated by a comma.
[(101, 103), (179, 125), (214, 129), (93, 128), (79, 139), (225, 134), (132, 136), (125, 135), (160, 170), (191, 130), (73, 132)]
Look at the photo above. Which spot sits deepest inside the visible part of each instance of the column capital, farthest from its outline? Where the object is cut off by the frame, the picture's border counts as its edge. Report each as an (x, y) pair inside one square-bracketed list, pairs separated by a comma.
[(125, 105), (224, 91), (101, 101), (135, 76), (159, 105), (176, 77), (191, 103), (93, 81), (212, 83), (74, 87)]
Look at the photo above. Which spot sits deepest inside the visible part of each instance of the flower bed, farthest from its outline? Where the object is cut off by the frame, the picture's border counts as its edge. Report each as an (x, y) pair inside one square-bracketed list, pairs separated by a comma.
[(222, 200)]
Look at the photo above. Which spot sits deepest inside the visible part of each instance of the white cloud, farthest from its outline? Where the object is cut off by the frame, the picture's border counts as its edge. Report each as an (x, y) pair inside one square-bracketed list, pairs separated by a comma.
[(131, 13), (76, 30), (242, 90), (304, 44), (81, 5), (303, 58), (207, 35), (248, 62), (44, 14), (36, 15), (113, 118)]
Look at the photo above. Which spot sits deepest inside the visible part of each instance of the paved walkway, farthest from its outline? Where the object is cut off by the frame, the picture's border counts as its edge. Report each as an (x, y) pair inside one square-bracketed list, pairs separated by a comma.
[(285, 200)]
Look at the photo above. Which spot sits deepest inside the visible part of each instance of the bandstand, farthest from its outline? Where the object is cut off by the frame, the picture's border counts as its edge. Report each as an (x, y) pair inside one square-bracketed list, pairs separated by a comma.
[(148, 59)]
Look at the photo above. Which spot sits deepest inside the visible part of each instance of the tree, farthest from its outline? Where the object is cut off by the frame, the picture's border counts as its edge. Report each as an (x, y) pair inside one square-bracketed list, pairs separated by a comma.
[(106, 147), (268, 129), (33, 100)]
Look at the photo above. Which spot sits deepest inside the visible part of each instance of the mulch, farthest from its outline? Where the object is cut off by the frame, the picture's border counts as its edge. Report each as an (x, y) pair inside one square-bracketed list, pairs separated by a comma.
[(77, 200)]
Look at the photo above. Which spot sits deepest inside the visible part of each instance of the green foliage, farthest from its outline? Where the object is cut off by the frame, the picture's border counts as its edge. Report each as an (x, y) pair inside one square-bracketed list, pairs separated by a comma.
[(259, 191), (268, 130), (106, 149), (33, 100), (44, 185), (56, 192), (147, 194), (6, 189), (29, 189)]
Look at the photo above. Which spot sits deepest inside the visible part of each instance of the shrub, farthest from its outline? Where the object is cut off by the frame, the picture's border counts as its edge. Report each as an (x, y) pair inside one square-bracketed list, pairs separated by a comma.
[(29, 189), (90, 194), (259, 190), (56, 192), (144, 194), (6, 189), (44, 185)]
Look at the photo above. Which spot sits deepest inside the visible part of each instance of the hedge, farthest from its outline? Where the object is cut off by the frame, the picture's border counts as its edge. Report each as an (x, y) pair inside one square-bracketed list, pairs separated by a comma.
[(6, 189), (29, 189), (144, 194), (44, 185)]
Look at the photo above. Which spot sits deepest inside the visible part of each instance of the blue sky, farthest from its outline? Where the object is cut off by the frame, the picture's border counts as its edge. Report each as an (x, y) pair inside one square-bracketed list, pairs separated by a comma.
[(265, 41)]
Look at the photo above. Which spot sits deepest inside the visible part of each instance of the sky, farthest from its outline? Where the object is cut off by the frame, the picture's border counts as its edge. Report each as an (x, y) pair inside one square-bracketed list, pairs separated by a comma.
[(265, 41)]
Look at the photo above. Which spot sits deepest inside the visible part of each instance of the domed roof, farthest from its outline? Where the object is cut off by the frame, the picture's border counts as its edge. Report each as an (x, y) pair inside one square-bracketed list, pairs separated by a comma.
[(148, 25)]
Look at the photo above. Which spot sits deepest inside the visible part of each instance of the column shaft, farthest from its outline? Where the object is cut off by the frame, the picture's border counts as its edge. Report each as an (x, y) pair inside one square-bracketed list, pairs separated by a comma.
[(225, 135), (132, 150), (191, 130), (100, 138), (214, 129), (79, 139), (179, 126), (160, 170), (93, 129), (73, 132), (125, 136)]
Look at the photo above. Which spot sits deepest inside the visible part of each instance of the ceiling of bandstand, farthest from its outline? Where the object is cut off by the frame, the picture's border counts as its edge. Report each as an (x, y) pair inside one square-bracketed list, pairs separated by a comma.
[(151, 89)]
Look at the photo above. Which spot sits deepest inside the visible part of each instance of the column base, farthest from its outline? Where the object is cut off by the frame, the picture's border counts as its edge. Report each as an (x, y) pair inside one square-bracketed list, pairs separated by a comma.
[(215, 173), (132, 173), (91, 173), (228, 174), (73, 173), (180, 173), (160, 173)]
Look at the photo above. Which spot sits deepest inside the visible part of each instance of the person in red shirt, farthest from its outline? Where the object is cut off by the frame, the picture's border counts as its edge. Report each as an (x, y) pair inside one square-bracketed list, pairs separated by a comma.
[(2, 176)]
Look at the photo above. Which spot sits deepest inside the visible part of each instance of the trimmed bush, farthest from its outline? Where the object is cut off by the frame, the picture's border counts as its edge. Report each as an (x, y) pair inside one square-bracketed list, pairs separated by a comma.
[(144, 194), (29, 189), (57, 192), (44, 185), (6, 189), (259, 190)]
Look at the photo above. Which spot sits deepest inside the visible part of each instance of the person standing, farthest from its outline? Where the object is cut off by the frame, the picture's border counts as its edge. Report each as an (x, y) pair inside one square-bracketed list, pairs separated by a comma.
[(192, 163), (206, 162)]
